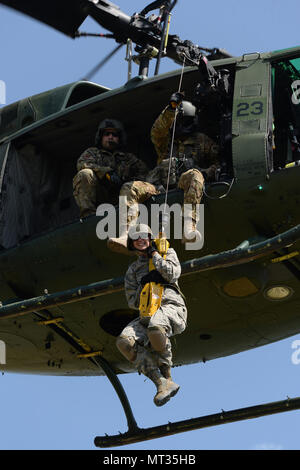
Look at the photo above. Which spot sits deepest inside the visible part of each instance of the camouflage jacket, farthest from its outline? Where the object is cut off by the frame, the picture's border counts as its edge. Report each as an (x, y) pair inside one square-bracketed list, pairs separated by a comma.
[(126, 165), (169, 268), (196, 151)]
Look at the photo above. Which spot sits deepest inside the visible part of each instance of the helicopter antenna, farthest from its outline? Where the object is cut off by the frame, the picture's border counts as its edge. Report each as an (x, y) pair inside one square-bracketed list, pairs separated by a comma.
[(129, 58), (166, 17), (165, 6)]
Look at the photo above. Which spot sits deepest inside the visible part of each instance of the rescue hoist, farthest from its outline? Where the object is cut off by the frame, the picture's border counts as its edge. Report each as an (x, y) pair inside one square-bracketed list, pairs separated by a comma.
[(152, 292)]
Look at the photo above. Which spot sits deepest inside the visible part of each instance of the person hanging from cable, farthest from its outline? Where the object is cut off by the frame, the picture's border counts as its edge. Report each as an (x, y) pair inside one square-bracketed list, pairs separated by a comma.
[(187, 158), (151, 286)]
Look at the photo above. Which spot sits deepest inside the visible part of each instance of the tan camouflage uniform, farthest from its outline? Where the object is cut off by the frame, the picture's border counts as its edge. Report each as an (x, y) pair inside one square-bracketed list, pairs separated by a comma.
[(191, 155), (91, 186), (171, 316)]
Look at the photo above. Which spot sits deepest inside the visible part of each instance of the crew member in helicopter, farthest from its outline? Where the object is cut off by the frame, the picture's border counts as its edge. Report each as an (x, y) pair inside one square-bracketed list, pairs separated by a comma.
[(104, 170), (145, 341), (195, 158)]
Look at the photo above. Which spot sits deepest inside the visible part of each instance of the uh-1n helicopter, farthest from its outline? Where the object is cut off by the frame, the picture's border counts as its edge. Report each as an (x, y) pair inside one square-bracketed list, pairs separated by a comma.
[(250, 284)]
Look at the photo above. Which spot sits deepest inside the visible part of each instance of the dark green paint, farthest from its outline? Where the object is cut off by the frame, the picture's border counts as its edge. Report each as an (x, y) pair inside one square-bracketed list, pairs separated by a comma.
[(260, 204)]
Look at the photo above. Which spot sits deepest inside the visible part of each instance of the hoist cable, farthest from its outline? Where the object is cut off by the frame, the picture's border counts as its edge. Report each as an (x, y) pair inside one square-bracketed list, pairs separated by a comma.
[(172, 140), (218, 183)]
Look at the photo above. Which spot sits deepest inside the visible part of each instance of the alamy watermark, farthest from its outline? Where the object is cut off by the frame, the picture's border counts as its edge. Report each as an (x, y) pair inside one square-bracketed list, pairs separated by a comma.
[(2, 92), (296, 92), (296, 354), (182, 216), (2, 352)]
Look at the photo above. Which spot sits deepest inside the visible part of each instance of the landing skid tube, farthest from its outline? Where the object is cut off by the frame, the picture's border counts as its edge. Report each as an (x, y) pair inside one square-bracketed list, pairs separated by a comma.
[(139, 434)]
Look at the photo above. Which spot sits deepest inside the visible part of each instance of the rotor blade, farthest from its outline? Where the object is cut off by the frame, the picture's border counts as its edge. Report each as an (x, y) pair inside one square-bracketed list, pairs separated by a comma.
[(173, 5), (152, 6), (102, 63), (64, 15)]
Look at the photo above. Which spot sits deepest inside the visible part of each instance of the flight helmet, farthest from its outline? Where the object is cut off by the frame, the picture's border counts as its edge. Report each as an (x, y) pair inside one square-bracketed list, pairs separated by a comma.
[(110, 124), (138, 231)]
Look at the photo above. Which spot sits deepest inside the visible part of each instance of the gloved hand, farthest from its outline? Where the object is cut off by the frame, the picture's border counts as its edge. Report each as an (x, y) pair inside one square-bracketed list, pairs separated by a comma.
[(113, 178), (176, 99), (162, 245), (153, 276), (151, 249)]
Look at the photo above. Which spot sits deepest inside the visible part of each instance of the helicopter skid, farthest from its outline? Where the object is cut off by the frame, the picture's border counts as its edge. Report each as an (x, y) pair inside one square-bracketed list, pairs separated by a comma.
[(139, 434)]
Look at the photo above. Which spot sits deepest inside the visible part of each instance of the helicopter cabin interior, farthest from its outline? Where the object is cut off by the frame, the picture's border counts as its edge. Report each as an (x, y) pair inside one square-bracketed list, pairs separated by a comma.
[(286, 108), (50, 131), (41, 138)]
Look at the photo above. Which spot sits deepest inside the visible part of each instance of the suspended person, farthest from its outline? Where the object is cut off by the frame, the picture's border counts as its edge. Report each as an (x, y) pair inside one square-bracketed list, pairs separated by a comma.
[(103, 169), (195, 158), (151, 286)]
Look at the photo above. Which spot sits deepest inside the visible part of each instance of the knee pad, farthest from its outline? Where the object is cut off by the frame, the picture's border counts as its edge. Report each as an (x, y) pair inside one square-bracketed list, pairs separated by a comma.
[(126, 189), (125, 343), (126, 340), (86, 173), (126, 346), (158, 338), (84, 177), (157, 328)]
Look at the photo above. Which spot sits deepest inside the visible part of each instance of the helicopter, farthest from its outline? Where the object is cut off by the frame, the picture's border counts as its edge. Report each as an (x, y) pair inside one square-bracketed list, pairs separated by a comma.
[(261, 159)]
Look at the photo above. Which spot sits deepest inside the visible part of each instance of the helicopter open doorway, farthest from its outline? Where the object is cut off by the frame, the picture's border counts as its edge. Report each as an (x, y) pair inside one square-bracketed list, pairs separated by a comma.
[(286, 105), (40, 154)]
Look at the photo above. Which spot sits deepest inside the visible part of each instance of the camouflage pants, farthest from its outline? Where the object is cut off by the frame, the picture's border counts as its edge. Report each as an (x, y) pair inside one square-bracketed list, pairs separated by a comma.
[(192, 183), (170, 318), (89, 191), (137, 191), (84, 190)]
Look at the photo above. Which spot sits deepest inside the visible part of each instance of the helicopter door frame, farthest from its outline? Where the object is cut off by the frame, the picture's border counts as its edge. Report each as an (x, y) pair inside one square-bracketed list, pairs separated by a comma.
[(3, 161), (286, 102), (252, 154)]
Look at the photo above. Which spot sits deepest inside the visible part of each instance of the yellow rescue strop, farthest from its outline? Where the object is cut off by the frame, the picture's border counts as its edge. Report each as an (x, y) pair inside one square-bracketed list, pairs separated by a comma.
[(151, 295), (152, 292)]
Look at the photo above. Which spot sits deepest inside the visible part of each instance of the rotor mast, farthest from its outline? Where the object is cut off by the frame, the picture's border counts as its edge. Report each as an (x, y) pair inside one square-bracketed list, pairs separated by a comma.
[(151, 35)]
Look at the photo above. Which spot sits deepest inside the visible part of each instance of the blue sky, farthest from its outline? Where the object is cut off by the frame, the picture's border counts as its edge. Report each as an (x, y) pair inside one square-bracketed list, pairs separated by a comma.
[(67, 413)]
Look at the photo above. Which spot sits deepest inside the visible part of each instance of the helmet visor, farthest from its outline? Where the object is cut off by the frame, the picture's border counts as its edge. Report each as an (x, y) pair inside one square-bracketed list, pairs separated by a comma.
[(137, 235)]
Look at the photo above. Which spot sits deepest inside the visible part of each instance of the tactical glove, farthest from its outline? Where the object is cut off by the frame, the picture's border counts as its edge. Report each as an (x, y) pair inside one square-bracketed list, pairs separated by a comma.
[(153, 276), (151, 249), (114, 178), (176, 99)]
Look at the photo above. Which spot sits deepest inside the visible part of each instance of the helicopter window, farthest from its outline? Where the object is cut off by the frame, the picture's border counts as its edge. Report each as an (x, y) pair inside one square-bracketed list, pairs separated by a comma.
[(84, 91), (286, 103)]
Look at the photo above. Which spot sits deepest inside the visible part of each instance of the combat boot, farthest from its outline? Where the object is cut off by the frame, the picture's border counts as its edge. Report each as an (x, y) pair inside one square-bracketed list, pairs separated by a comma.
[(172, 386), (190, 232), (165, 390), (119, 245), (127, 218)]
